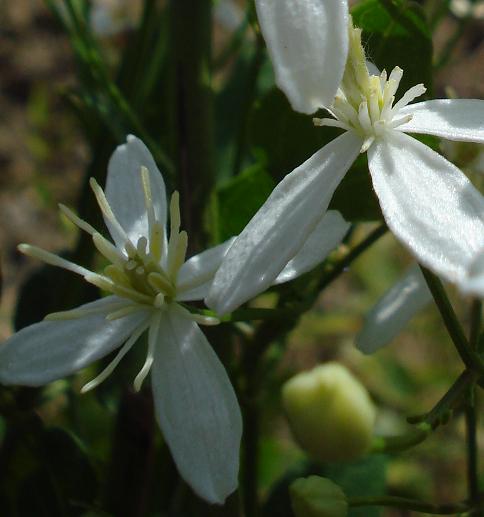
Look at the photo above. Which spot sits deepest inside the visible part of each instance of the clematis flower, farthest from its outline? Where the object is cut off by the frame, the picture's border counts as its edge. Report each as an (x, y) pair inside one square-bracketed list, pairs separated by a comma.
[(427, 202), (148, 279), (393, 311)]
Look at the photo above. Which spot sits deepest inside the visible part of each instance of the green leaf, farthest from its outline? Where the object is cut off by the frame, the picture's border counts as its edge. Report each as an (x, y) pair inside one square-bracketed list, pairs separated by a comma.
[(395, 33), (239, 199)]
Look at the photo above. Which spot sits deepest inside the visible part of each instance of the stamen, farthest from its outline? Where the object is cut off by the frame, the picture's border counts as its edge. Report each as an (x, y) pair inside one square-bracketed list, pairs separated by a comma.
[(374, 109), (74, 219), (159, 300), (320, 122), (75, 314), (117, 275), (109, 214), (141, 247), (345, 111), (108, 250), (177, 258), (112, 365), (399, 121), (122, 312), (364, 118), (53, 260), (157, 235), (198, 318), (160, 282), (145, 179), (367, 144), (396, 75), (125, 292), (152, 340), (409, 96)]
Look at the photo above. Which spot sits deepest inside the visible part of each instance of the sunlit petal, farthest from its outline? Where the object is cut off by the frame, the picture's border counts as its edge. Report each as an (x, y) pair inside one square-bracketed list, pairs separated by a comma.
[(282, 225), (428, 203), (124, 190), (195, 276), (307, 41), (196, 408), (454, 119), (321, 241), (50, 350)]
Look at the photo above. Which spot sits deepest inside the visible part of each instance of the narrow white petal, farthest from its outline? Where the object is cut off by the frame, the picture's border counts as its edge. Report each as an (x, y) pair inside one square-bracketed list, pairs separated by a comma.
[(307, 41), (454, 119), (393, 311), (196, 408), (428, 203), (473, 283), (198, 292), (50, 350), (124, 190), (201, 268), (282, 225), (324, 238)]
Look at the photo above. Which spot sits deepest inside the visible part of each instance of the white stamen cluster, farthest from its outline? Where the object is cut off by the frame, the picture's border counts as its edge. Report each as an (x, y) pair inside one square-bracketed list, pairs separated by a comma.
[(364, 102), (142, 275)]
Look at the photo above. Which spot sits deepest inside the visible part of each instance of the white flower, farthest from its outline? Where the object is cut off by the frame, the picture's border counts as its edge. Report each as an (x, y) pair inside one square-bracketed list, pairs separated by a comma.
[(429, 204), (393, 311), (148, 278)]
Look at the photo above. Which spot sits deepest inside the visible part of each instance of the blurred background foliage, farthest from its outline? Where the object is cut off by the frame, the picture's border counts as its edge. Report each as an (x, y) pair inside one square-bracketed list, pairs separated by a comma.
[(193, 80)]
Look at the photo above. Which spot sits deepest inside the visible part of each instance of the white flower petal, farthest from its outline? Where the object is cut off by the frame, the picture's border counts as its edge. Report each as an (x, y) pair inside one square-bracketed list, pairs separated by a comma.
[(324, 238), (428, 203), (473, 284), (196, 274), (454, 119), (124, 190), (393, 311), (196, 408), (50, 350), (307, 41), (282, 225)]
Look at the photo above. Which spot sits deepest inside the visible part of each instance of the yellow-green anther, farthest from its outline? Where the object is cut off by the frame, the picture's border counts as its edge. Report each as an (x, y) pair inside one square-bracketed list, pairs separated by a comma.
[(83, 225), (160, 283), (107, 249), (177, 258), (157, 234)]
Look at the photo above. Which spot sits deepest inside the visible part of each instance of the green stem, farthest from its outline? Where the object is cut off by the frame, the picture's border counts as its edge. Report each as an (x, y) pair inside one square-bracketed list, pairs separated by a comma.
[(468, 355), (440, 412), (344, 263), (391, 444), (192, 110), (410, 504), (471, 412)]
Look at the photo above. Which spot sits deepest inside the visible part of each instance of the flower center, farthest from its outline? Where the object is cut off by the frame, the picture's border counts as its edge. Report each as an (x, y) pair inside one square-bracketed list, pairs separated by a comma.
[(147, 273), (364, 102)]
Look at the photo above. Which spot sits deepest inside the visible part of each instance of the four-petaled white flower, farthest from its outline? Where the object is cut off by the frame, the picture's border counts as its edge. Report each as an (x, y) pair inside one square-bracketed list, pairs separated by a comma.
[(428, 203), (147, 277)]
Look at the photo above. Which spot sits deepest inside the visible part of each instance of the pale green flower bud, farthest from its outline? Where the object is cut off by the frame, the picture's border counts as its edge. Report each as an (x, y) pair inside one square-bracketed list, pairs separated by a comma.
[(317, 497), (330, 413)]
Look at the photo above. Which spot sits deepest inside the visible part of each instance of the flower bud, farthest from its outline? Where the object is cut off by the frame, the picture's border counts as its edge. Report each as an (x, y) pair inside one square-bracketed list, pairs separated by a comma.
[(317, 497), (330, 413)]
